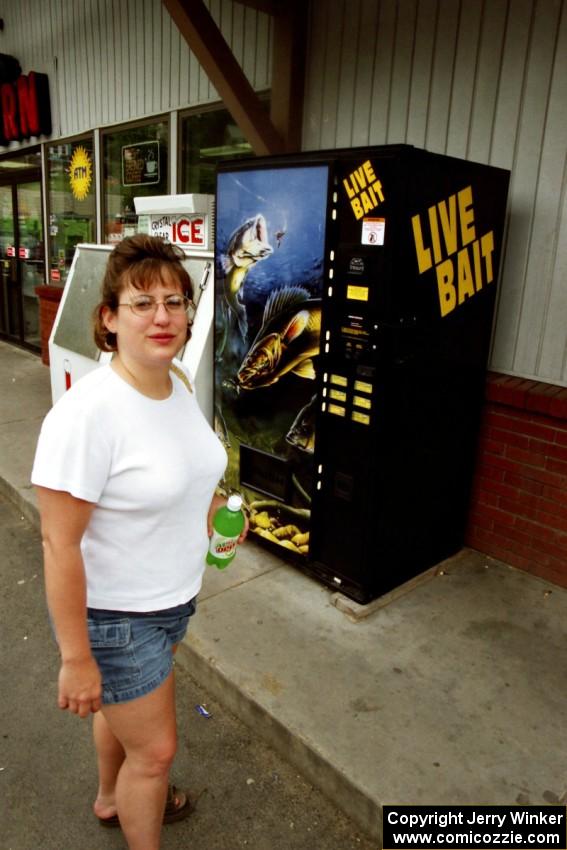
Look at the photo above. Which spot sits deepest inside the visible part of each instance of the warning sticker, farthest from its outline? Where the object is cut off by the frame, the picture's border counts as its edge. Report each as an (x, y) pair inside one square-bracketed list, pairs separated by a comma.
[(373, 231)]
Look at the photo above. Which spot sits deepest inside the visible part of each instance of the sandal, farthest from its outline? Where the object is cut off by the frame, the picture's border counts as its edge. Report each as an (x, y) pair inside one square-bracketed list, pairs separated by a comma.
[(177, 807)]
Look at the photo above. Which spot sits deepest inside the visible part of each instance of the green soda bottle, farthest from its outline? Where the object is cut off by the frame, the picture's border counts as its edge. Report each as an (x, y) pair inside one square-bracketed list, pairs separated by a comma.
[(228, 523)]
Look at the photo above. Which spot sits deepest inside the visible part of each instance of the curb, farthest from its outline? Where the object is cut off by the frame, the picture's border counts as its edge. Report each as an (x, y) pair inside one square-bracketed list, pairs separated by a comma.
[(352, 800)]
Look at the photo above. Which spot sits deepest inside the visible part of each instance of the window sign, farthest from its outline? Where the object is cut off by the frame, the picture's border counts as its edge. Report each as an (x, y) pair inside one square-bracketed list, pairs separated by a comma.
[(135, 164), (72, 206), (140, 164)]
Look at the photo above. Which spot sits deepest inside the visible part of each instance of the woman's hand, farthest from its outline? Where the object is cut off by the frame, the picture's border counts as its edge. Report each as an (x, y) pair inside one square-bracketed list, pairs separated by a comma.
[(80, 686), (219, 502)]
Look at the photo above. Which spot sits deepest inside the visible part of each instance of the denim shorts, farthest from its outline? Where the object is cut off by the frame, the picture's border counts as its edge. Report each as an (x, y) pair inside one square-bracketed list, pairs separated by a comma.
[(134, 650)]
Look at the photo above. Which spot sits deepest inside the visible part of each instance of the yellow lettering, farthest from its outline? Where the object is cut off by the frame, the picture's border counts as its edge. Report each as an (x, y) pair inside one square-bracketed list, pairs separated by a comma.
[(435, 241), (487, 247), (448, 218), (423, 254), (378, 189), (369, 171), (466, 215), (349, 191), (464, 275), (357, 209), (447, 292), (366, 202), (359, 177), (477, 268)]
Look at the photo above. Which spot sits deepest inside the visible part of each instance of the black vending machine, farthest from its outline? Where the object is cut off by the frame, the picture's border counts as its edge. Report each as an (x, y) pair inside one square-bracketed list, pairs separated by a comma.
[(354, 300)]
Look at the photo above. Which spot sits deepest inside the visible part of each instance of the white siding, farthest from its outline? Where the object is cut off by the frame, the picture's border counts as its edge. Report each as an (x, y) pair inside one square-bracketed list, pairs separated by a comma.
[(481, 80), (112, 61)]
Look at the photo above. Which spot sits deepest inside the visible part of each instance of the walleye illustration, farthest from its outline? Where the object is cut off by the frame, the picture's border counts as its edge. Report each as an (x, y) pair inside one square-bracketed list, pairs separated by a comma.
[(302, 432), (287, 341), (246, 247)]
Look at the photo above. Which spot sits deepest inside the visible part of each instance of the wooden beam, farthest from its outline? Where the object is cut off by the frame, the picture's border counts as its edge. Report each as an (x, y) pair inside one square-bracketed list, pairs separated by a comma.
[(288, 73), (207, 43)]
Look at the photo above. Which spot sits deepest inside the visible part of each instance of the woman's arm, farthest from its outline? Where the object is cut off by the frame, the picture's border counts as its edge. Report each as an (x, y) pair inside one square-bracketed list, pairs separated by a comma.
[(219, 502), (63, 522)]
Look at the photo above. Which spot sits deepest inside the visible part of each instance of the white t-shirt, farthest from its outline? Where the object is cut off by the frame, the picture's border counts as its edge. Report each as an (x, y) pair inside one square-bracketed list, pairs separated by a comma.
[(151, 468)]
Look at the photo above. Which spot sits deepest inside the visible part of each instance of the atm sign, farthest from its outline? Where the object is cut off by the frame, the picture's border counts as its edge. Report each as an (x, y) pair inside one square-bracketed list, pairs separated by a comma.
[(189, 231)]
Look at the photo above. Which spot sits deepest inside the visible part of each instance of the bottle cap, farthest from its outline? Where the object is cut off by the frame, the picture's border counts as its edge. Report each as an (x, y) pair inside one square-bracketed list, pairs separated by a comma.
[(234, 502)]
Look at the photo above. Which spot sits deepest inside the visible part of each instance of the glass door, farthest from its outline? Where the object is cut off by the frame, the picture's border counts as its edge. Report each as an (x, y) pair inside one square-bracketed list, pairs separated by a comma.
[(21, 258), (9, 321), (30, 258)]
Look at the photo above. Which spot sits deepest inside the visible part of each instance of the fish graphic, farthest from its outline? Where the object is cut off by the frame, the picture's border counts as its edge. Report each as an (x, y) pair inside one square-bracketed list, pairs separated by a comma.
[(246, 247), (302, 432), (287, 341)]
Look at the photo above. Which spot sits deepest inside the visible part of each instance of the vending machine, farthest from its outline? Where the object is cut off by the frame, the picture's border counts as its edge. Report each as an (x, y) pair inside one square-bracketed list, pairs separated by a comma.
[(354, 298), (183, 220)]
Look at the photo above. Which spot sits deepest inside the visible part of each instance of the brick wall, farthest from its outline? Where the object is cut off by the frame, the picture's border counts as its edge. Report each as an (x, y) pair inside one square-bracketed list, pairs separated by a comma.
[(49, 298), (519, 502)]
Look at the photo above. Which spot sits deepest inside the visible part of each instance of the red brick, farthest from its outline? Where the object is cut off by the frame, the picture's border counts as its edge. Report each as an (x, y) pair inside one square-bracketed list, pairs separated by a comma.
[(507, 465), (558, 406), (540, 396), (528, 458), (488, 471), (513, 538), (523, 483), (556, 466), (503, 418), (492, 447), (511, 438), (554, 508), (497, 516), (561, 437), (486, 498), (552, 519), (555, 494), (499, 488), (556, 451), (525, 507), (537, 531)]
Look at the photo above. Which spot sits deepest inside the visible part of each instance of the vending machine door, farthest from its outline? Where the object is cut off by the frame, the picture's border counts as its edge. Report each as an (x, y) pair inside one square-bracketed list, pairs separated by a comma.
[(270, 269)]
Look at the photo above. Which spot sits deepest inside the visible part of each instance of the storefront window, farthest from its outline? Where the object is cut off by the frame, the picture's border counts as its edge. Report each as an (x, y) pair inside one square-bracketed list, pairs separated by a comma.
[(72, 207), (206, 139), (135, 165)]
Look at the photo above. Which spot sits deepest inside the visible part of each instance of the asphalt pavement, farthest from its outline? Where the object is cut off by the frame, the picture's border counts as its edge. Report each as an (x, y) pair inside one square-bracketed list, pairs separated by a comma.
[(248, 795)]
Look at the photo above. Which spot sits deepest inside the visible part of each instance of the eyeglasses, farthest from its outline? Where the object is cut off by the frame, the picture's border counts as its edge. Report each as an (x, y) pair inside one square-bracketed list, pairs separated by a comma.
[(146, 305)]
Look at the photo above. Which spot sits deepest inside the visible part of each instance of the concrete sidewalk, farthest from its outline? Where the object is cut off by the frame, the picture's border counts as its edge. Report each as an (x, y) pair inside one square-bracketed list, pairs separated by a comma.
[(452, 693)]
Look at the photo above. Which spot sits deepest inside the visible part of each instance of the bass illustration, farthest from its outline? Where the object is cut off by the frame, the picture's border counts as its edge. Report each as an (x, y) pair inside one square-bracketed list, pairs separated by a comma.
[(246, 247)]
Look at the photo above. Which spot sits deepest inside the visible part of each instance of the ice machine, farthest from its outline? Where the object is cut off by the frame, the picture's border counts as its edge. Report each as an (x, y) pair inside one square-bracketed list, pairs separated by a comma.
[(354, 298), (185, 220)]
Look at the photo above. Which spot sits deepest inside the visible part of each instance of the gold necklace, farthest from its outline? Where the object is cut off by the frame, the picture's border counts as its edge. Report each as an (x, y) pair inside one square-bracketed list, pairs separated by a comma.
[(134, 382)]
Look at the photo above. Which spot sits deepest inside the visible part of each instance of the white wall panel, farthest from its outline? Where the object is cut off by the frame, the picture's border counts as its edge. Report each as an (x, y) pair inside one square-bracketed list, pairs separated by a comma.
[(111, 61), (482, 80)]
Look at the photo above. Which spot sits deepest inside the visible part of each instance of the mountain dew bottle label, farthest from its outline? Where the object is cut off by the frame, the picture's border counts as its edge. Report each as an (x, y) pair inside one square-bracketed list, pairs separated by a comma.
[(228, 523), (221, 546)]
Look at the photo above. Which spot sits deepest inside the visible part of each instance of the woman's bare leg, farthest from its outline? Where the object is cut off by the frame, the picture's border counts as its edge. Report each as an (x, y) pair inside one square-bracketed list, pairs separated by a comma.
[(110, 755), (146, 729)]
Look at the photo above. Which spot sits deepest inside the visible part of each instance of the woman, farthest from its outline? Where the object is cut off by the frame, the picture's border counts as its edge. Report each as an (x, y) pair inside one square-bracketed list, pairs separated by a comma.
[(126, 468)]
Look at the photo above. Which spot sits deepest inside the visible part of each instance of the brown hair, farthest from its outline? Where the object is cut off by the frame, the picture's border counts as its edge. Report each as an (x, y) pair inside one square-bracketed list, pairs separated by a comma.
[(137, 261)]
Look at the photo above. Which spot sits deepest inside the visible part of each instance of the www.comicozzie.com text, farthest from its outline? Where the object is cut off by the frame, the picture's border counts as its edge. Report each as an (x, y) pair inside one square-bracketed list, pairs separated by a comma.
[(488, 828)]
